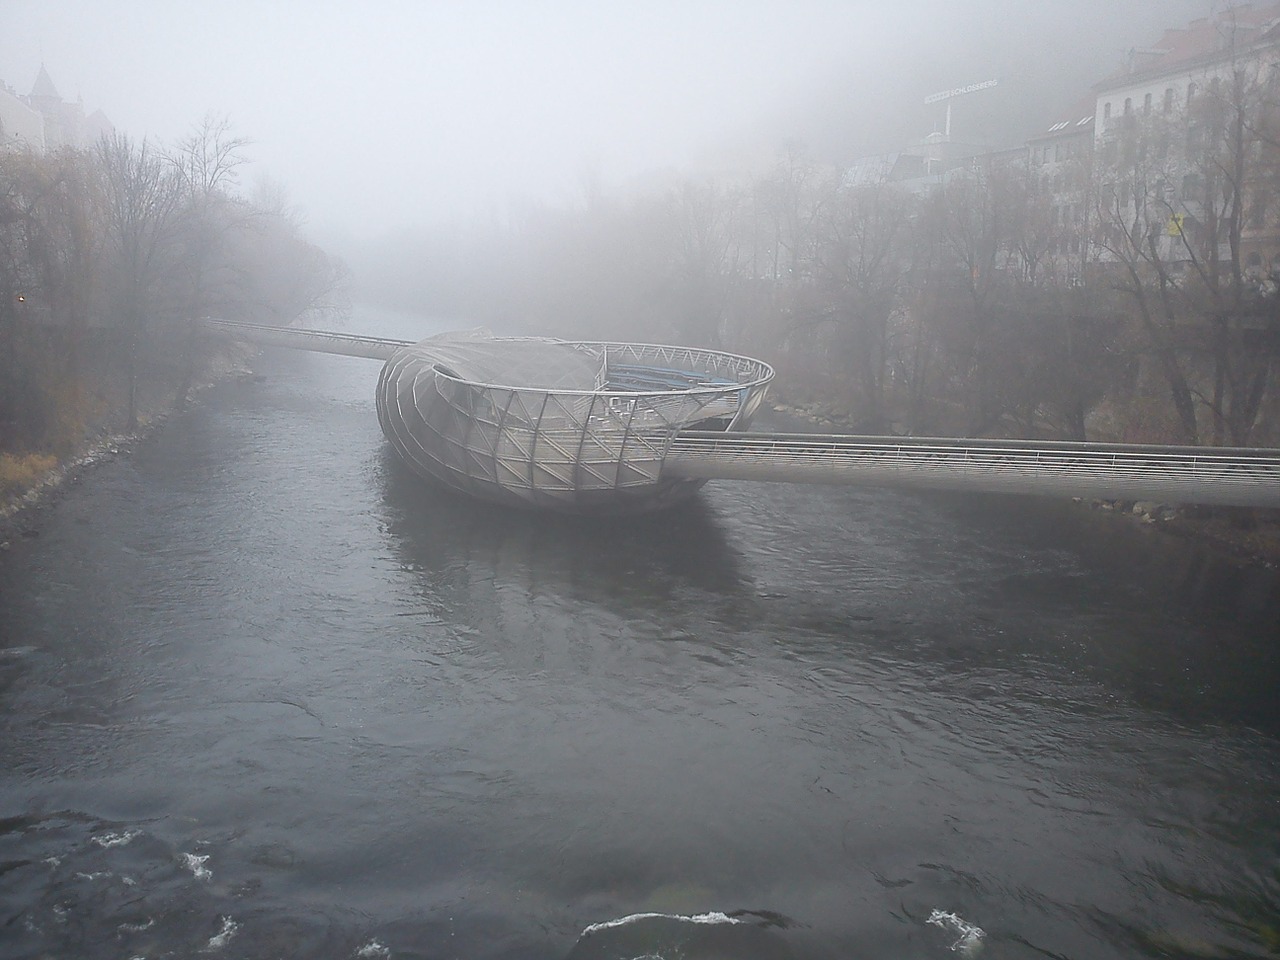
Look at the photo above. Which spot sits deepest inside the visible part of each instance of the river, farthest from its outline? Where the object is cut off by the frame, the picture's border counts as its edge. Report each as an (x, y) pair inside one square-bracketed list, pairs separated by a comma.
[(263, 695)]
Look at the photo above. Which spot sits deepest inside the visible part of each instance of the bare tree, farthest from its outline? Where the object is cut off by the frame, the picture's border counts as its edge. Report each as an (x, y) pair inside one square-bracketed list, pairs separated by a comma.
[(1181, 196), (863, 258), (48, 254), (207, 165), (707, 258), (141, 202)]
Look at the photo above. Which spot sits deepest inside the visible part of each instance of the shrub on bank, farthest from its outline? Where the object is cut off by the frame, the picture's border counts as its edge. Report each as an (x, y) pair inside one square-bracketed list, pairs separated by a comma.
[(20, 472)]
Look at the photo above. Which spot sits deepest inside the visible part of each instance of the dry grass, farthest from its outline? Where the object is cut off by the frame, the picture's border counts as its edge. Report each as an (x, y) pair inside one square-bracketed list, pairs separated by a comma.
[(21, 472)]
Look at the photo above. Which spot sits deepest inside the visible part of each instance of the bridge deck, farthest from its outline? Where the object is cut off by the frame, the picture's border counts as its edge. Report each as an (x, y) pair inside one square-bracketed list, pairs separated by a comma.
[(1209, 475), (317, 341)]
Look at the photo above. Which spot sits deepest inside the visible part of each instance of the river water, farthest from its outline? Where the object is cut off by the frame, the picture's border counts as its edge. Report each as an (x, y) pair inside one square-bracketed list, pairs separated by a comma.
[(262, 695)]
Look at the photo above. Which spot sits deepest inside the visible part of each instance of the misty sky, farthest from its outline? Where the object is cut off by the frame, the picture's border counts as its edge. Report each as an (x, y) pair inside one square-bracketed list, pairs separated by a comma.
[(381, 115)]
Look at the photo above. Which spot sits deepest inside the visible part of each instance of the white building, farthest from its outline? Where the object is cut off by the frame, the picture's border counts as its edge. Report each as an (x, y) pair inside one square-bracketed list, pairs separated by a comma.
[(21, 127), (1159, 134), (43, 121)]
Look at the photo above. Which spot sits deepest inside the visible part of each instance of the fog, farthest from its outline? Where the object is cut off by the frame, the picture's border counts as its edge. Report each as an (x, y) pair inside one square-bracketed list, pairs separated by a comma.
[(375, 118)]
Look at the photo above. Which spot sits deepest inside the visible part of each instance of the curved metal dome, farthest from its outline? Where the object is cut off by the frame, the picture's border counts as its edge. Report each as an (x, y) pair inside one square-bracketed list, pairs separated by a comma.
[(576, 426)]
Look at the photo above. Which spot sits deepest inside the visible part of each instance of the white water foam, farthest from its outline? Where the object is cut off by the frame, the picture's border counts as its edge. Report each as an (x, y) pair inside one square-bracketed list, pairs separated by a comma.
[(137, 927), (223, 936), (116, 839), (374, 948), (714, 917), (196, 865), (970, 935)]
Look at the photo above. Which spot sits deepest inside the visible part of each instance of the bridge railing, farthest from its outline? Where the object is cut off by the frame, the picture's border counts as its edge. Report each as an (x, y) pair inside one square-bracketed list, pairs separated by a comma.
[(1213, 475), (297, 338)]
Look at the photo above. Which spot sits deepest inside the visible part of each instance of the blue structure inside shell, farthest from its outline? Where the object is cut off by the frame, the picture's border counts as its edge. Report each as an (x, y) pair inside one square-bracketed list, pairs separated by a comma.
[(574, 426)]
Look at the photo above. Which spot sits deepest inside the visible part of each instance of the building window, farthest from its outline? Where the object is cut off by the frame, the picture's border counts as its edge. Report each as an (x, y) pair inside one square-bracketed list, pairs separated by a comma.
[(1106, 111), (1168, 99), (1146, 105), (1128, 105), (1191, 93)]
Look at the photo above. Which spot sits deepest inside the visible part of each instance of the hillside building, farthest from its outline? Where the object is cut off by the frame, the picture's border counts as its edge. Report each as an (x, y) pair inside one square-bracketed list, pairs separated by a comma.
[(1186, 142), (42, 121), (21, 127)]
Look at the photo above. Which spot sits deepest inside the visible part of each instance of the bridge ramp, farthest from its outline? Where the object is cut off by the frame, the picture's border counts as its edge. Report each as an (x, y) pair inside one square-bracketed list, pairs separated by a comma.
[(1208, 475), (316, 341)]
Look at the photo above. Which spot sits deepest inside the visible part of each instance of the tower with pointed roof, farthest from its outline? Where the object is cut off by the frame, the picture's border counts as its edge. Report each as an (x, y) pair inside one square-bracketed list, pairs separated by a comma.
[(64, 123), (43, 92), (62, 120)]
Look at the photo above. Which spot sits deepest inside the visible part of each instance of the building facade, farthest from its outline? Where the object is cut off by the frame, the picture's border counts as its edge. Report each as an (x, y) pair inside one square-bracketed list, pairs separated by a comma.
[(1187, 146), (43, 122)]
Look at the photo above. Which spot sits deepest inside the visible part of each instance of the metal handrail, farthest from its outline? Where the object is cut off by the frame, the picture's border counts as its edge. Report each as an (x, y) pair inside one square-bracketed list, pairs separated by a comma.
[(1219, 475)]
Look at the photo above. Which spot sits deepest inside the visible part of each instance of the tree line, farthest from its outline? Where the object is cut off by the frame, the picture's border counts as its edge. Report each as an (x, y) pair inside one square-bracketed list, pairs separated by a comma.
[(1122, 294), (108, 255)]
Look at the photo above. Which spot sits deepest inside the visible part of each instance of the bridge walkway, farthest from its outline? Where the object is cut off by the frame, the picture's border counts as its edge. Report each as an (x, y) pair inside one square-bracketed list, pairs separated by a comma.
[(1222, 476), (317, 341)]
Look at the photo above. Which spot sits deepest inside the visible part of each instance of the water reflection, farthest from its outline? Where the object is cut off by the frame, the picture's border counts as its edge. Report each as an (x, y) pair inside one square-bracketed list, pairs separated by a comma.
[(614, 559)]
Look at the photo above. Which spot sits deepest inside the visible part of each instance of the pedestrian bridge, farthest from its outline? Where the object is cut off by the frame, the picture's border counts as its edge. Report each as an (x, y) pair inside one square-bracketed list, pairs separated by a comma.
[(634, 433), (1208, 475)]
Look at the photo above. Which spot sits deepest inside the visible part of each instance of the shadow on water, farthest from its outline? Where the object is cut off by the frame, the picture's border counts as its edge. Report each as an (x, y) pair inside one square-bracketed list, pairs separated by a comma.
[(1173, 624), (591, 557), (1193, 578)]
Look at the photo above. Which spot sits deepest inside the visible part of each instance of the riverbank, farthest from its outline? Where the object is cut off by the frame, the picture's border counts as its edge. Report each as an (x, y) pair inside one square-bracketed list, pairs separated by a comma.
[(1243, 535), (36, 488), (1246, 535)]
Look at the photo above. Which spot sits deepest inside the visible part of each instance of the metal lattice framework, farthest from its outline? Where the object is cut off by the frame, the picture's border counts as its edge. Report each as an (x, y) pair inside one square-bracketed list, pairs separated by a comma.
[(596, 440)]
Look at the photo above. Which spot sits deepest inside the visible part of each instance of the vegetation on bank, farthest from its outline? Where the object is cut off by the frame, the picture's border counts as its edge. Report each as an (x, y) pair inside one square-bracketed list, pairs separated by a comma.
[(18, 472), (107, 256), (1087, 299)]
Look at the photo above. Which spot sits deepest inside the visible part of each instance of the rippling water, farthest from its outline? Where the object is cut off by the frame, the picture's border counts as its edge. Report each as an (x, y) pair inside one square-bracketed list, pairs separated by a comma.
[(264, 695)]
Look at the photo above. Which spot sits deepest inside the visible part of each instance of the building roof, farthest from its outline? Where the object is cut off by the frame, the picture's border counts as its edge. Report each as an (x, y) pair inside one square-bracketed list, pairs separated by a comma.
[(96, 125), (1076, 119), (43, 86), (1201, 41)]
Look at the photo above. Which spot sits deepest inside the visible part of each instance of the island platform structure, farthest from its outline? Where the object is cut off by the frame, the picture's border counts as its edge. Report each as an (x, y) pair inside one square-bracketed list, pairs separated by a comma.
[(576, 426), (590, 427)]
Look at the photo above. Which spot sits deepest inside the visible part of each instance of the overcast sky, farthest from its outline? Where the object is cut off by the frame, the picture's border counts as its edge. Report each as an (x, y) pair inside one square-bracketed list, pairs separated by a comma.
[(379, 115)]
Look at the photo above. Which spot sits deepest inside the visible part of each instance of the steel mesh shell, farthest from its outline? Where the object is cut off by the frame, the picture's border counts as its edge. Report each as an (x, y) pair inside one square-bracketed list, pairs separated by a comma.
[(574, 426)]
